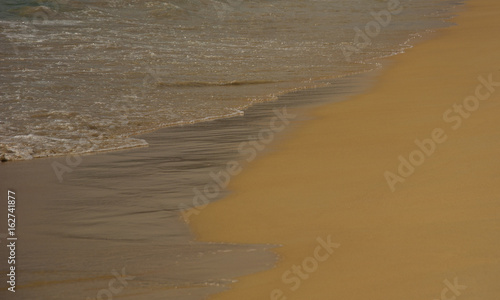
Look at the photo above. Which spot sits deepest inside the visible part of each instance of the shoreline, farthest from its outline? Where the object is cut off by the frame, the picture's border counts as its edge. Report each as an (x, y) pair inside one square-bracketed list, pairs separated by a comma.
[(114, 177), (437, 229), (326, 82), (106, 207)]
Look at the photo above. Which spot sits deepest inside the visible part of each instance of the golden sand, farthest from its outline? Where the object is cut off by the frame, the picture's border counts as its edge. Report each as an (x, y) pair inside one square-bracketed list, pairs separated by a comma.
[(437, 235)]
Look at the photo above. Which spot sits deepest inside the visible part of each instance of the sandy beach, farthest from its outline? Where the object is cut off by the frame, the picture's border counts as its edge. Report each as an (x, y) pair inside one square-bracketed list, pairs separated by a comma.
[(393, 194)]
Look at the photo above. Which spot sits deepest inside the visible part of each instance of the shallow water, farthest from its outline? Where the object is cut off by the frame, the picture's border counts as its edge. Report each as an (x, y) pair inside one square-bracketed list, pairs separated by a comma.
[(84, 76)]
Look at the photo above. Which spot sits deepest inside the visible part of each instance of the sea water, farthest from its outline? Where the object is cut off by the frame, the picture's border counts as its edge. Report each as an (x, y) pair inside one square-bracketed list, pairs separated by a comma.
[(80, 76)]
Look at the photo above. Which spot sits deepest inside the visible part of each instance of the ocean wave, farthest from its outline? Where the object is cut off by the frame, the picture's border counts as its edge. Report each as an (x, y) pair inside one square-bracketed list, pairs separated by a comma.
[(104, 71), (208, 84), (27, 147)]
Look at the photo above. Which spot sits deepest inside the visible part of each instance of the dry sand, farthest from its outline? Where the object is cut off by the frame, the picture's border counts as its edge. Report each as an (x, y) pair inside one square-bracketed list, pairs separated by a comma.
[(438, 229)]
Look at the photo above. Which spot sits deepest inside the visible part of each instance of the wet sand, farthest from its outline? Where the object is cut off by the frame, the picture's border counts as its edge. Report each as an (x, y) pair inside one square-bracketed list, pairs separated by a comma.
[(116, 215), (404, 180)]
